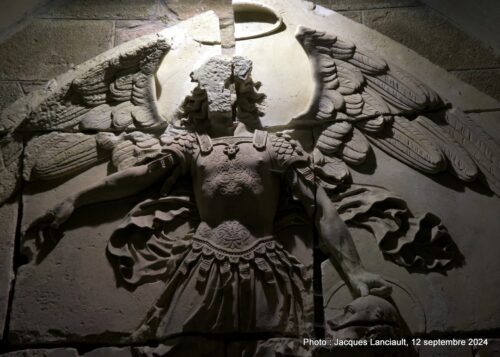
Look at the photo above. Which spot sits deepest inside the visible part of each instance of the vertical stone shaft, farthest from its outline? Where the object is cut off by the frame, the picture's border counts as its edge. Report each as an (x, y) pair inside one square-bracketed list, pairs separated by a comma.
[(226, 25)]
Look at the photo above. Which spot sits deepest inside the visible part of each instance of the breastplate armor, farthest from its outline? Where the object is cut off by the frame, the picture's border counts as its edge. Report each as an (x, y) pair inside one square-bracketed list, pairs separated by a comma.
[(233, 167)]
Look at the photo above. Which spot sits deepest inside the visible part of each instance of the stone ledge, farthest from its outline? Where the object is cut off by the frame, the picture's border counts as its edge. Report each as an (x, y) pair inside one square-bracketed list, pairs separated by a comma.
[(367, 4), (353, 15), (98, 9), (30, 86), (185, 9), (127, 30), (50, 47), (432, 36), (486, 80)]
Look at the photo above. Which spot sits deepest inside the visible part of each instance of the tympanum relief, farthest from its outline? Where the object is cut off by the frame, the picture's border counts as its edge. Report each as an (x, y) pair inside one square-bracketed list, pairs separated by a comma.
[(228, 203)]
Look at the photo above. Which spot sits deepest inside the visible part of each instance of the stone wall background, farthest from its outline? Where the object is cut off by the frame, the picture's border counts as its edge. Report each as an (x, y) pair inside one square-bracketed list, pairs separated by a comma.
[(67, 34), (431, 35)]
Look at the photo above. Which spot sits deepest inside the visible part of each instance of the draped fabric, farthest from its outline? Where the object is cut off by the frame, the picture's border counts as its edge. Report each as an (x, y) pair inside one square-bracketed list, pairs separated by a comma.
[(142, 248), (261, 289), (145, 246), (409, 241)]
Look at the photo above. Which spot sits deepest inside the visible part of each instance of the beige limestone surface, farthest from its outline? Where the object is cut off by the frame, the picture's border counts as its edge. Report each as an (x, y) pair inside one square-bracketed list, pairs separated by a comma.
[(72, 295)]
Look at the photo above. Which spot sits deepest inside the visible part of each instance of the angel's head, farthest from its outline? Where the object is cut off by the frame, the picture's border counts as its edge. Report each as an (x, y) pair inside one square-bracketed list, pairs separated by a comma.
[(226, 97)]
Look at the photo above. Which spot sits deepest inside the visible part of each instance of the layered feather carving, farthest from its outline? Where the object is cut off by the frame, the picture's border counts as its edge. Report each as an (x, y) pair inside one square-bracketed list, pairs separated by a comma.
[(343, 140), (460, 162), (129, 149), (482, 148), (342, 71), (363, 100), (58, 155), (407, 143), (114, 91)]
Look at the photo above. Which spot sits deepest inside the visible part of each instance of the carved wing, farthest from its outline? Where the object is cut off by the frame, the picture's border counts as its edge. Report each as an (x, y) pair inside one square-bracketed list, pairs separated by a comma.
[(114, 94), (114, 91), (58, 155), (361, 100)]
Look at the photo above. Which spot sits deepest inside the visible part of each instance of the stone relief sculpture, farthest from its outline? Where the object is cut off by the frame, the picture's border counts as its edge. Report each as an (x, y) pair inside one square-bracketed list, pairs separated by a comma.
[(231, 258), (219, 191)]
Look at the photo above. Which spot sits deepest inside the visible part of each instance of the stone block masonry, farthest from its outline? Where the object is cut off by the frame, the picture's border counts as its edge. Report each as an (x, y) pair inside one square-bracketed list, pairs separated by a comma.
[(66, 37), (429, 34), (70, 33)]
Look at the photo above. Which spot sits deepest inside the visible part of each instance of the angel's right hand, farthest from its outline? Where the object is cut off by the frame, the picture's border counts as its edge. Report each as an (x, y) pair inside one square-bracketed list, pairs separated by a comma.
[(61, 213), (45, 231)]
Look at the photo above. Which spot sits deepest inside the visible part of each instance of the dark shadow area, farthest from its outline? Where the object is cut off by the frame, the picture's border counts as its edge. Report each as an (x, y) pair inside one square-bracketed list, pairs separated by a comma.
[(255, 16), (369, 166), (457, 262), (447, 180)]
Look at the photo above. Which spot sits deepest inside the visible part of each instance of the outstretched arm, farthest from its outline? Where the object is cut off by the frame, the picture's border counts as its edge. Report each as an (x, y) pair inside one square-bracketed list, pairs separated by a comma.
[(123, 183), (335, 236), (118, 185)]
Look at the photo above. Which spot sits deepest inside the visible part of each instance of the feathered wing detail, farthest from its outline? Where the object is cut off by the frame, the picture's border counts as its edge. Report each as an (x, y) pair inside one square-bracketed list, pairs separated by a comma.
[(359, 95), (113, 92), (345, 141), (60, 155), (404, 141), (130, 149), (460, 162), (342, 70), (361, 100), (482, 148)]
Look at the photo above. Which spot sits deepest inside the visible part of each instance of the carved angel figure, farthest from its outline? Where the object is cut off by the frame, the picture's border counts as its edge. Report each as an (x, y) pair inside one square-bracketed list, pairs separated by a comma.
[(230, 273), (220, 193)]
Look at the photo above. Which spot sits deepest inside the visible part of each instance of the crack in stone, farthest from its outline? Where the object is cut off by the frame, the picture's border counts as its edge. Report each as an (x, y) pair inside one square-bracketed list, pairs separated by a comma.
[(16, 254)]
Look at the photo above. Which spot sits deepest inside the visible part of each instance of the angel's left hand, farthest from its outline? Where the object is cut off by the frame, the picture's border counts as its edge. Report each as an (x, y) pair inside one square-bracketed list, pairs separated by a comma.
[(365, 283)]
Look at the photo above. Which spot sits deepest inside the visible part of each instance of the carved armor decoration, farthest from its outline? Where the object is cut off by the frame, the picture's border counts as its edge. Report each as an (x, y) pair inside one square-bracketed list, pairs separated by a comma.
[(223, 254), (231, 176)]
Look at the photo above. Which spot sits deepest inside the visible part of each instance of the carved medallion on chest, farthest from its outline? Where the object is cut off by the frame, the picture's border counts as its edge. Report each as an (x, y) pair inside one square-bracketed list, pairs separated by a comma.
[(231, 151)]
